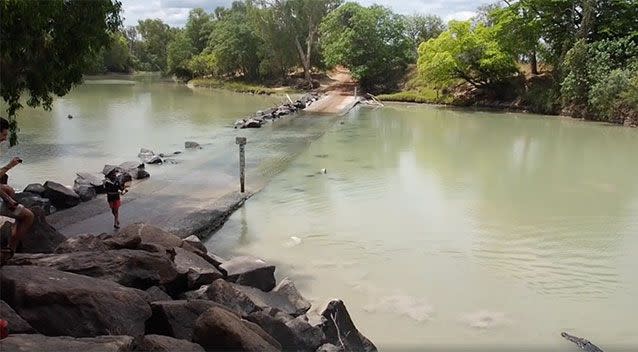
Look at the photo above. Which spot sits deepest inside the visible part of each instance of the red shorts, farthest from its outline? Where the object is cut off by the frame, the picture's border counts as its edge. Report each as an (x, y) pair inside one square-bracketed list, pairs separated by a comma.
[(115, 204)]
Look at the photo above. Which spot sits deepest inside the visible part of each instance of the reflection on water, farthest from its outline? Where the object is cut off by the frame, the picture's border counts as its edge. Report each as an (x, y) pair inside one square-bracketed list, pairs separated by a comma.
[(458, 227)]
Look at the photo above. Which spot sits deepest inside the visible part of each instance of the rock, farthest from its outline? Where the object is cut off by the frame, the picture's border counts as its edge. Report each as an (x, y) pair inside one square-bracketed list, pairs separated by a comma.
[(250, 271), (35, 188), (263, 334), (328, 347), (90, 179), (200, 293), (217, 329), (32, 200), (216, 260), (338, 326), (83, 243), (123, 240), (288, 301), (195, 242), (251, 123), (17, 325), (229, 296), (156, 159), (61, 196), (84, 306), (41, 343), (287, 289), (135, 169), (157, 294), (152, 234), (239, 123), (42, 238), (159, 343), (176, 318), (111, 168), (85, 192), (138, 269), (192, 145), (145, 152), (142, 174), (295, 334), (198, 271)]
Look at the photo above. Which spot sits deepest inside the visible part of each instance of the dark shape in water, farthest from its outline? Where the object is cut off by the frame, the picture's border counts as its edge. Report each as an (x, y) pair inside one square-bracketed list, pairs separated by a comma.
[(583, 344)]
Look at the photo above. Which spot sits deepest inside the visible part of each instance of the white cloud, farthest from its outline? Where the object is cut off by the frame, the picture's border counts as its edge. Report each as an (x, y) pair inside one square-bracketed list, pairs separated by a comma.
[(175, 12)]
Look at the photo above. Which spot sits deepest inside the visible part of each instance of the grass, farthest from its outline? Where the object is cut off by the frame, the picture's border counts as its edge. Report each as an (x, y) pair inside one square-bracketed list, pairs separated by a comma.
[(420, 95), (240, 87)]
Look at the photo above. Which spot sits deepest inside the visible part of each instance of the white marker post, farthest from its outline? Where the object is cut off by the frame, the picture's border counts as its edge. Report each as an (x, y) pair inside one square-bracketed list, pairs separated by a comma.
[(241, 141)]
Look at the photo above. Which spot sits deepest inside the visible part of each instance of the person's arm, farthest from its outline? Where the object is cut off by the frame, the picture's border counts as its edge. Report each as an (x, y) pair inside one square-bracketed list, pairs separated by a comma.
[(11, 203), (15, 161)]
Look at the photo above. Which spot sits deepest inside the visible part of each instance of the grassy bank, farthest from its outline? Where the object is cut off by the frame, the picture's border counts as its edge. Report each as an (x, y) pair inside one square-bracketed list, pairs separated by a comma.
[(423, 95), (240, 87)]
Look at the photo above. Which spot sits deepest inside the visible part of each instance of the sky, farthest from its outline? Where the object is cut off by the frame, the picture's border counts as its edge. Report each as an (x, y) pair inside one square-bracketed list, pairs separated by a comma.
[(175, 12)]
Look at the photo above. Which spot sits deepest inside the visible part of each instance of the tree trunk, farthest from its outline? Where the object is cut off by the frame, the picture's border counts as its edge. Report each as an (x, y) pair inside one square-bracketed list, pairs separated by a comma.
[(533, 62), (305, 62)]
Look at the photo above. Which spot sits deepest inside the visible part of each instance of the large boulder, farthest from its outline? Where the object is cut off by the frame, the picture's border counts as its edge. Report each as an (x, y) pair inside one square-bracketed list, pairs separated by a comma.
[(42, 238), (197, 270), (249, 271), (84, 243), (340, 330), (160, 343), (17, 325), (111, 168), (176, 318), (131, 268), (61, 196), (60, 303), (284, 297), (35, 188), (151, 234), (87, 179), (155, 293), (135, 169), (41, 343), (32, 200), (195, 242), (85, 192), (217, 329), (294, 334), (231, 297)]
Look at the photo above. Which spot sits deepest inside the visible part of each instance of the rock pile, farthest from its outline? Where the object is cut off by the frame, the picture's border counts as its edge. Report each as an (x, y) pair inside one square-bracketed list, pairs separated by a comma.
[(144, 289), (262, 117)]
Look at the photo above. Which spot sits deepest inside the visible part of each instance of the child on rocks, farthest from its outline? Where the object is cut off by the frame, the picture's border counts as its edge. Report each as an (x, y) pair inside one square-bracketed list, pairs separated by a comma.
[(114, 188)]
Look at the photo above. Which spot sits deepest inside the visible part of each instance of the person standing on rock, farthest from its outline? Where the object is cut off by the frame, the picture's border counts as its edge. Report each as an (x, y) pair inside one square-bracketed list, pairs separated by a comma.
[(9, 207), (114, 189)]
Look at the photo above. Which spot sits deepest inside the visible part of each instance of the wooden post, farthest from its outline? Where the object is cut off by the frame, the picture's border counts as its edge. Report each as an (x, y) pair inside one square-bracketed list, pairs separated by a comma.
[(241, 141), (355, 91)]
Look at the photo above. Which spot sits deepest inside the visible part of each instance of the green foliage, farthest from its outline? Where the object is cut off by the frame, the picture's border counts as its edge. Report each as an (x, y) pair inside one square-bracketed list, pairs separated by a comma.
[(235, 45), (238, 86), (630, 95), (462, 52), (198, 28), (45, 46), (370, 41), (180, 51), (422, 28), (156, 35), (204, 64), (117, 57)]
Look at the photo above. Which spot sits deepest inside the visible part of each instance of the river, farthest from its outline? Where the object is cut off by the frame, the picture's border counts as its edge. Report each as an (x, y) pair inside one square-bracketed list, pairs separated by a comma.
[(437, 227), (448, 228)]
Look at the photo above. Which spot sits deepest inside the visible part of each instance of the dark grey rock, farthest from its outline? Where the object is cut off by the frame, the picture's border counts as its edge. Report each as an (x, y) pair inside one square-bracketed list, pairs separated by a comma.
[(197, 270), (131, 268), (84, 243), (192, 145), (41, 343), (176, 318), (35, 188), (61, 196), (157, 294), (217, 329), (17, 325), (159, 343), (250, 271), (42, 238), (231, 297), (31, 200), (338, 327), (288, 301), (85, 192), (195, 242), (84, 306)]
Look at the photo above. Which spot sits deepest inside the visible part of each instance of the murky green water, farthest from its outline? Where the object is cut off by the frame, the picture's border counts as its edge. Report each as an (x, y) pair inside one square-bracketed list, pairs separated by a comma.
[(113, 119), (442, 228)]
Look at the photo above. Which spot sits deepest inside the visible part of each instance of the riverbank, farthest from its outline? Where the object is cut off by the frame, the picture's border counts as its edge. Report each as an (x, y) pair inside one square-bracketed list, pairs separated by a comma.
[(155, 291), (241, 87)]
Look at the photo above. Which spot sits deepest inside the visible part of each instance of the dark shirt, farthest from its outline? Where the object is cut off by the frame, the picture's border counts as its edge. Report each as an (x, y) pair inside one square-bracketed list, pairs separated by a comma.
[(112, 190)]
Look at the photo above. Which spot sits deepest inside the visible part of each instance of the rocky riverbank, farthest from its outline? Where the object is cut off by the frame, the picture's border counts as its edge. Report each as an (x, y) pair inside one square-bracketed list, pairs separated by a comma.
[(262, 117), (144, 289)]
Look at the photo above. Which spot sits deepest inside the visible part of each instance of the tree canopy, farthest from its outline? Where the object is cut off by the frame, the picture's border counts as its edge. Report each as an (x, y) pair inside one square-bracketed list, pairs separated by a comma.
[(370, 41), (47, 45)]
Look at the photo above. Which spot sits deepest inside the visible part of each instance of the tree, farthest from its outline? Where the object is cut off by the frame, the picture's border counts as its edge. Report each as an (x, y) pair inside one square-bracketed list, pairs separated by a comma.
[(45, 47), (180, 51), (370, 41), (422, 28), (156, 35), (235, 44), (277, 51), (117, 57), (300, 19), (462, 52), (198, 28), (518, 31)]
